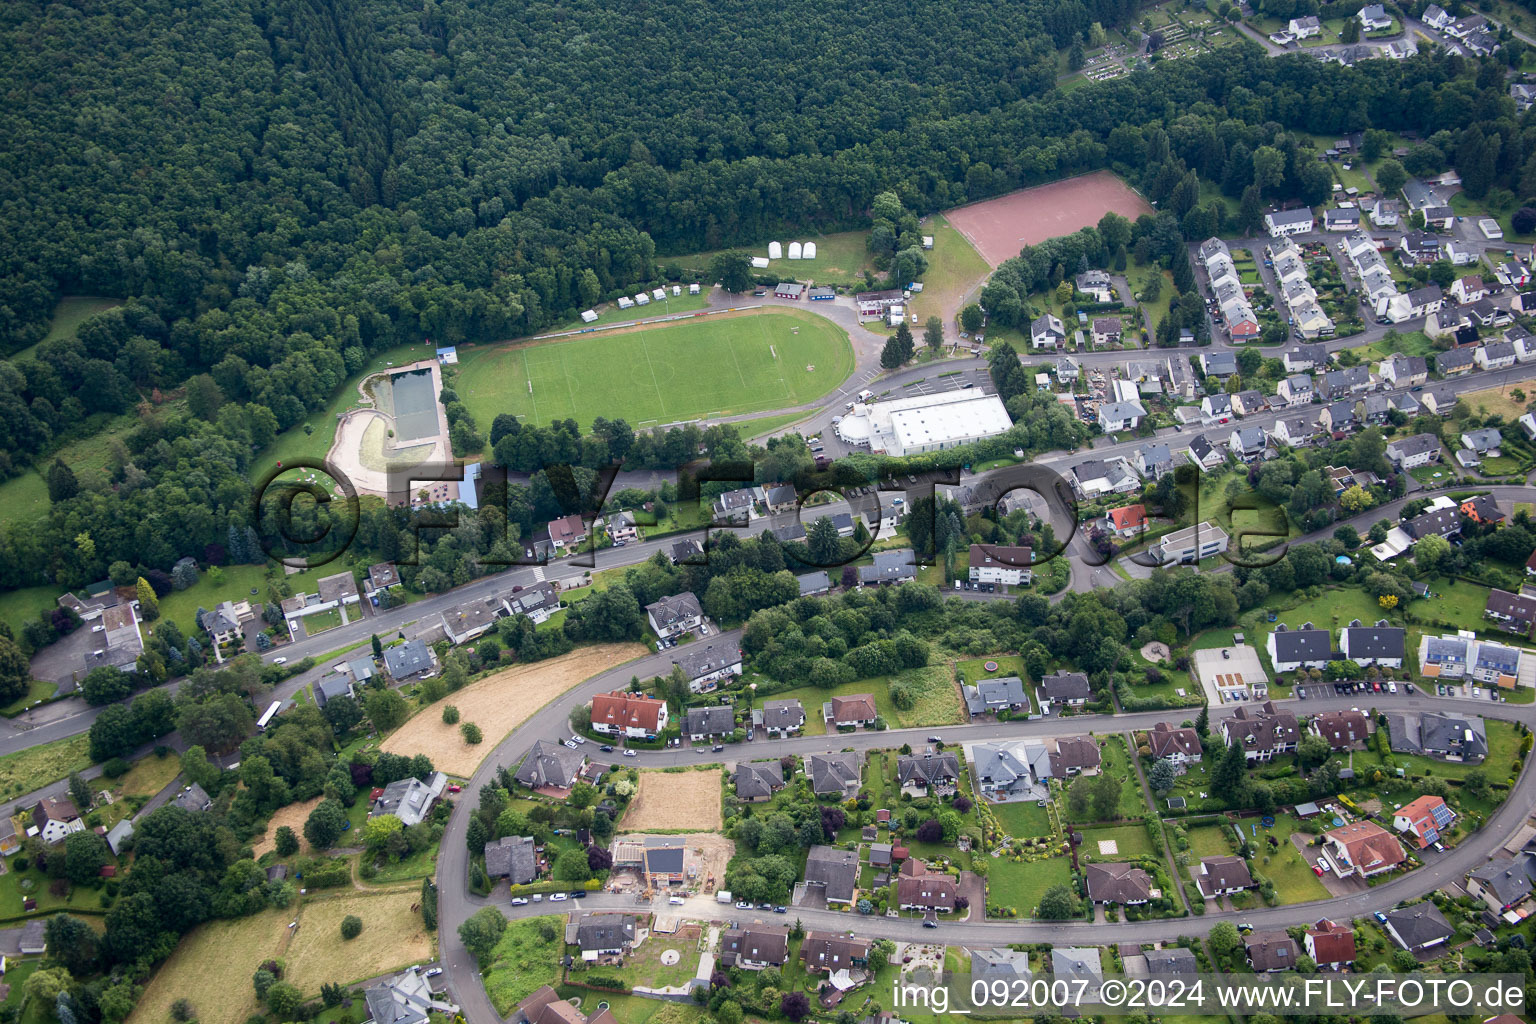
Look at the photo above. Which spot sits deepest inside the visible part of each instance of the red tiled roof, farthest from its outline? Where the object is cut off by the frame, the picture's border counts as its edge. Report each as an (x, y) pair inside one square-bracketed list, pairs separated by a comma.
[(627, 710), (1332, 943), (1128, 516)]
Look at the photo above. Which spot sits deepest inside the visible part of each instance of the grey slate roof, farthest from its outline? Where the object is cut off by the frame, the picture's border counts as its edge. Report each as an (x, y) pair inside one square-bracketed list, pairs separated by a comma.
[(550, 764), (1419, 925), (833, 773), (513, 858), (718, 720), (836, 870), (758, 779), (408, 658)]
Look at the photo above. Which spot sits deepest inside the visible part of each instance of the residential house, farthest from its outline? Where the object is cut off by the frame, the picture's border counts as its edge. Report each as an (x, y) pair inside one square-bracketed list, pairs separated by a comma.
[(567, 532), (471, 619), (407, 998), (704, 665), (382, 576), (1295, 431), (1218, 363), (1154, 460), (537, 601), (709, 723), (890, 567), (1425, 819), (1436, 18), (1424, 301), (1203, 453), (1468, 289), (1402, 371), (687, 550), (990, 696), (835, 773), (1419, 247), (1513, 612), (333, 686), (1176, 744), (1523, 94), (757, 780), (1305, 27), (193, 798), (1046, 332), (117, 837), (1385, 213), (1504, 882), (1075, 755), (411, 799), (1270, 952), (1482, 440), (1288, 222), (1353, 380), (1495, 665), (550, 765), (1342, 218), (1441, 734), (1361, 848), (630, 715), (854, 710), (834, 872), (1250, 402), (1190, 545), (1215, 409), (1222, 876), (1004, 564), (1418, 928), (1096, 285), (919, 888), (1263, 730), (1094, 477), (1074, 964), (55, 818), (1482, 508), (1494, 355), (600, 935), (813, 583), (1373, 410), (1344, 730), (1411, 452), (754, 947), (1374, 18), (409, 660), (512, 858), (1127, 520), (1009, 965), (1296, 389), (1063, 689), (1003, 771), (675, 615), (1380, 644), (1331, 946), (831, 952), (33, 938), (1247, 443), (1171, 961), (738, 506), (1107, 330), (782, 718), (1305, 358), (1117, 416), (1114, 882)]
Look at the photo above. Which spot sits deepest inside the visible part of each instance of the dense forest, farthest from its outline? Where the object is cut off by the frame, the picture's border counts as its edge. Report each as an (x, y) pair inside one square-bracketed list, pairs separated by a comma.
[(279, 190)]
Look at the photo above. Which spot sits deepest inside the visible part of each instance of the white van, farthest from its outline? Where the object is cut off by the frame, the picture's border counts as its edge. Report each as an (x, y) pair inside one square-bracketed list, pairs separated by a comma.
[(866, 395), (676, 901)]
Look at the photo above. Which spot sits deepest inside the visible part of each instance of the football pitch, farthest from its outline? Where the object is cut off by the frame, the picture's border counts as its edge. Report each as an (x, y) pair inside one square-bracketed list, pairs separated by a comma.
[(700, 368)]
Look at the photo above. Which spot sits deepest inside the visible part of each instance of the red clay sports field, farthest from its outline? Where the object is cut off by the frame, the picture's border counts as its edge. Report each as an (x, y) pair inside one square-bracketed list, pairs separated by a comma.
[(1000, 227)]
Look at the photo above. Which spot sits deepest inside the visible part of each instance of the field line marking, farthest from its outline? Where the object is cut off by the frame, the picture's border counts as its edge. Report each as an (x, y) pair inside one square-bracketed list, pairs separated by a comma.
[(764, 332), (654, 382), (532, 395), (566, 373)]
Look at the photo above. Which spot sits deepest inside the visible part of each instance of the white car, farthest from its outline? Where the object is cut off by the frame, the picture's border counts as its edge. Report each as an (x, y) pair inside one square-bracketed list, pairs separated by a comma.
[(434, 972), (556, 897), (579, 739), (571, 744), (279, 661), (630, 753), (98, 629), (1391, 687), (519, 901), (1477, 691)]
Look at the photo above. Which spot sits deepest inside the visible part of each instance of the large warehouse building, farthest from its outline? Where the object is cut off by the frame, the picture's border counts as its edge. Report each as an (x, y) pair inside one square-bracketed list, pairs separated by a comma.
[(927, 423)]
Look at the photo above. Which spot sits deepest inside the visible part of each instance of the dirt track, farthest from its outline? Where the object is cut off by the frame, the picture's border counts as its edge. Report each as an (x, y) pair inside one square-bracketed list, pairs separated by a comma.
[(1000, 227)]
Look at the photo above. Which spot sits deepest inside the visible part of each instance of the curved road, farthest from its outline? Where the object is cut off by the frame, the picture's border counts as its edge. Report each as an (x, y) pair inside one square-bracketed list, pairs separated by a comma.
[(456, 903)]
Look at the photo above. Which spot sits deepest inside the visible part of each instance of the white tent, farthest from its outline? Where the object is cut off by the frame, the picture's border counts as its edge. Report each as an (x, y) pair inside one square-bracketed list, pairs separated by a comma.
[(693, 289), (589, 316), (760, 262), (775, 251), (810, 250), (642, 299), (794, 250), (677, 289), (625, 302), (659, 294)]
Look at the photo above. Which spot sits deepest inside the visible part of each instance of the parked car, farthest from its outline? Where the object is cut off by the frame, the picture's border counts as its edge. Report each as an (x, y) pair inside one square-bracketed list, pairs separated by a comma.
[(630, 753), (434, 972), (743, 905), (455, 788), (606, 748), (519, 901), (279, 661), (1380, 917), (556, 897), (930, 924), (578, 894)]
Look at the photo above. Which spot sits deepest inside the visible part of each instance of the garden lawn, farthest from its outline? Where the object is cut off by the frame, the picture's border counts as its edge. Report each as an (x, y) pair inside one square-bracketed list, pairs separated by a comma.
[(319, 622), (523, 960), (1455, 601), (1117, 764), (148, 776), (37, 689), (936, 696), (1334, 609), (954, 268), (1209, 841), (213, 965), (1022, 818), (1007, 665), (643, 965), (181, 606), (1130, 840), (1020, 885), (1293, 878)]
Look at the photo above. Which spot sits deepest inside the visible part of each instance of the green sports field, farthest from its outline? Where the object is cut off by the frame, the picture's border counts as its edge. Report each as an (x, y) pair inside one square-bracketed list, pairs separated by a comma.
[(700, 368)]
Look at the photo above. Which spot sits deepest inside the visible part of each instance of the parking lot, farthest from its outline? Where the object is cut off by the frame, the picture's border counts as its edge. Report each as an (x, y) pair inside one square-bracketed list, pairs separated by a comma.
[(978, 378), (1315, 690)]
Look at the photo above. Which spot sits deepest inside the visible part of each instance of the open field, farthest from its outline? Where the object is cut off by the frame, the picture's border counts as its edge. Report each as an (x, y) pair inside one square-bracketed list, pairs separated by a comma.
[(523, 960), (35, 767), (1130, 841), (612, 314), (1500, 401), (671, 800), (148, 776), (954, 268), (841, 258), (85, 449), (1022, 818), (213, 967), (936, 698), (70, 312), (18, 607), (718, 366), (293, 815), (498, 704), (392, 937), (1000, 227)]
